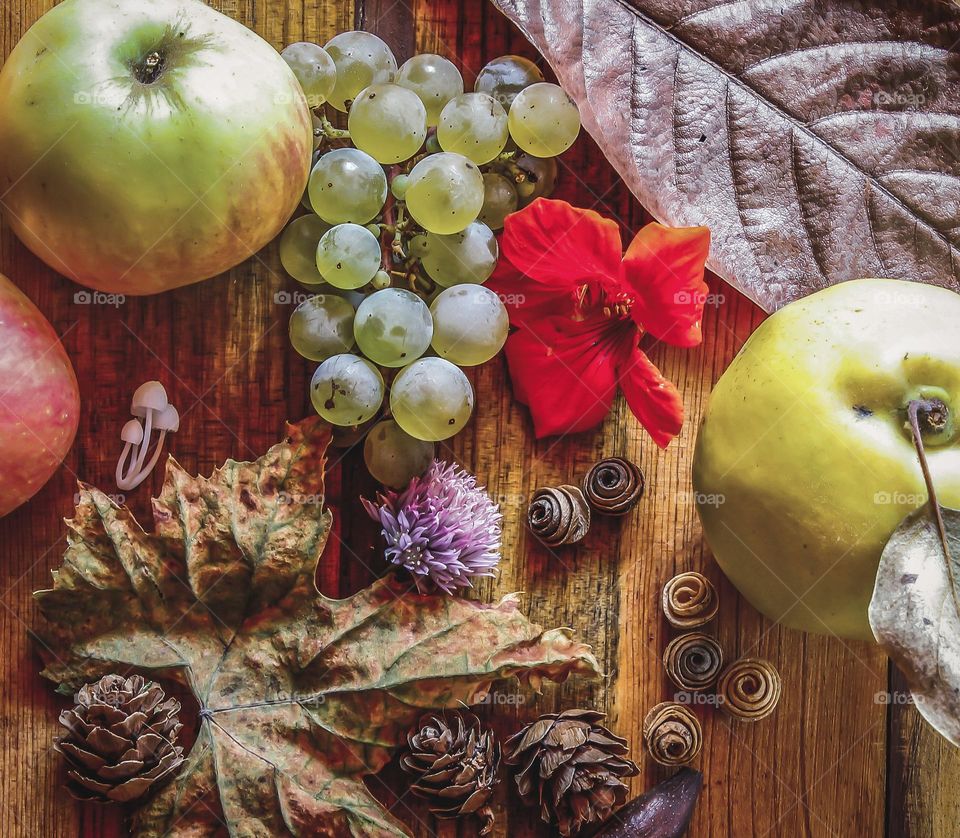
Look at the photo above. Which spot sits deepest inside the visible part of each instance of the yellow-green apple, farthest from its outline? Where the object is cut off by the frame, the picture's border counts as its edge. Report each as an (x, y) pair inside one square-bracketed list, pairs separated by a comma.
[(804, 464), (147, 144), (39, 400)]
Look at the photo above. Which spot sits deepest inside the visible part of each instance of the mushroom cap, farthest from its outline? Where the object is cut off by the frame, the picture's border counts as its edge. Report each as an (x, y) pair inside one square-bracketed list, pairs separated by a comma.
[(149, 396), (167, 420), (132, 432)]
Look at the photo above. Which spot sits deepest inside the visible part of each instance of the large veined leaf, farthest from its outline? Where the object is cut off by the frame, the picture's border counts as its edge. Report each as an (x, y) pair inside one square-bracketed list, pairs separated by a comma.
[(818, 139), (300, 695)]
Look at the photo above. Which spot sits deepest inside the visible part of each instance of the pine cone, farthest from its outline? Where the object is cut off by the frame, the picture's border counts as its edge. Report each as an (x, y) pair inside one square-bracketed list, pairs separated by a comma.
[(456, 764), (121, 740), (572, 766)]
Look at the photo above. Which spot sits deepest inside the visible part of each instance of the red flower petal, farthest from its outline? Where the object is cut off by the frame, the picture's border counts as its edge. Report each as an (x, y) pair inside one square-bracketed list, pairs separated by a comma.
[(528, 301), (565, 372), (664, 267), (652, 399), (562, 246)]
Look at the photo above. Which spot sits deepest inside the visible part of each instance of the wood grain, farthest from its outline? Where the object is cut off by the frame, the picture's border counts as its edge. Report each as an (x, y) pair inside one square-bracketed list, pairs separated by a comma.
[(833, 761)]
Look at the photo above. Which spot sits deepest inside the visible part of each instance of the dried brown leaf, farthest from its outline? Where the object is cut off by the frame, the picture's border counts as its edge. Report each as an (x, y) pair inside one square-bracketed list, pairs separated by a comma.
[(301, 696), (818, 139)]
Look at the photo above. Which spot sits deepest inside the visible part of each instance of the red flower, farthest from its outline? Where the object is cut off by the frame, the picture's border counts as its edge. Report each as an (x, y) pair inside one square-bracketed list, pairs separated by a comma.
[(581, 306)]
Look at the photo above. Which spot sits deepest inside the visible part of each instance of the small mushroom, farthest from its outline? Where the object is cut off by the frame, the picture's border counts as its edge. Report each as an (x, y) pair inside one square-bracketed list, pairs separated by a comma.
[(149, 404), (149, 400), (131, 435)]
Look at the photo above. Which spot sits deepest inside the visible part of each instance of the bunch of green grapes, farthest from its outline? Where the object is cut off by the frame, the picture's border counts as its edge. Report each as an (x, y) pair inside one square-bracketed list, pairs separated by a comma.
[(399, 236)]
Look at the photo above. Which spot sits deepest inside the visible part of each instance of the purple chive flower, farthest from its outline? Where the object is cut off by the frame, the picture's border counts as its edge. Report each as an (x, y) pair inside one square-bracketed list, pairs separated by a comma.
[(442, 528)]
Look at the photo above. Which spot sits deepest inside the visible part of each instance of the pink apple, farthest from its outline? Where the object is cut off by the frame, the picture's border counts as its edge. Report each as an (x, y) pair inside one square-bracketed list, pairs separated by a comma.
[(39, 399)]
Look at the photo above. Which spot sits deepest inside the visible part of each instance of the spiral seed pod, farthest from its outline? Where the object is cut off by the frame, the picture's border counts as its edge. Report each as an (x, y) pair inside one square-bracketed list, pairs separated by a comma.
[(689, 600), (749, 689), (672, 733), (693, 661), (613, 486), (559, 516)]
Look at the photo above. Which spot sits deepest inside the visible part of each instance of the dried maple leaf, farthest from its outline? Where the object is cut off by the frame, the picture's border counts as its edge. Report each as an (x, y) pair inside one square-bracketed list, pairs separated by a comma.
[(300, 695), (819, 140)]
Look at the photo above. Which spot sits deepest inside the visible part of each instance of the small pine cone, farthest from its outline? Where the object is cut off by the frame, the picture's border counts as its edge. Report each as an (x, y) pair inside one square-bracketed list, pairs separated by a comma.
[(749, 689), (672, 733), (613, 486), (121, 739), (693, 661), (572, 766), (455, 763), (689, 600), (559, 516)]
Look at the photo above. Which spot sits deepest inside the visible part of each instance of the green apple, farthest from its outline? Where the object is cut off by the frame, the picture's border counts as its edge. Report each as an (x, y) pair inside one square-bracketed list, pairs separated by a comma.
[(147, 144), (804, 464)]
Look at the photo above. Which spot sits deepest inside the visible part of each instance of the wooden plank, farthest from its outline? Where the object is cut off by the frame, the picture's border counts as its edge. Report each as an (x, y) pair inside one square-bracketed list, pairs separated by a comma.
[(818, 768)]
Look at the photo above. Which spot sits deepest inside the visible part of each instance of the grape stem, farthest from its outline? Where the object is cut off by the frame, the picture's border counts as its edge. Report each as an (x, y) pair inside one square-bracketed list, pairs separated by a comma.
[(400, 225), (330, 131)]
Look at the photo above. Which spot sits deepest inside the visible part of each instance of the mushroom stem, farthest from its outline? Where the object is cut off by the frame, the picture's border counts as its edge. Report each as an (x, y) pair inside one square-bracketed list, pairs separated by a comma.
[(147, 430), (142, 473), (121, 477)]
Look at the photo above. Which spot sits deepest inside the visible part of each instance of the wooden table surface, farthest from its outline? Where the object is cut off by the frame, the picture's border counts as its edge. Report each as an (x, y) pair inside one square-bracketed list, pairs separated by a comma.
[(837, 759)]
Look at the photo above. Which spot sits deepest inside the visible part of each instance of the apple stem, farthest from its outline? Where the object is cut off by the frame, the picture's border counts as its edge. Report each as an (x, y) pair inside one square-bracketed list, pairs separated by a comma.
[(150, 68), (934, 413)]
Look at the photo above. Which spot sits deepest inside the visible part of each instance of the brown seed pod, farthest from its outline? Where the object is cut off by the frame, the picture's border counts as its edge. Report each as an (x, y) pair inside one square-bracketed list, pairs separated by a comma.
[(672, 733), (693, 661), (689, 600), (559, 516), (749, 689), (613, 486)]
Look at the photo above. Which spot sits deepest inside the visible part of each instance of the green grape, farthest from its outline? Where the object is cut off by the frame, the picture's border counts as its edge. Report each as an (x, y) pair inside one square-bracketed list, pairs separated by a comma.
[(431, 399), (393, 327), (317, 132), (418, 245), (432, 146), (393, 457), (445, 192), (298, 248), (314, 69), (504, 77), (465, 257), (347, 390), (544, 120), (474, 125), (361, 59), (321, 326), (470, 325), (347, 185), (398, 186), (374, 229), (348, 256), (388, 122), (434, 79), (540, 177), (499, 200), (381, 280)]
